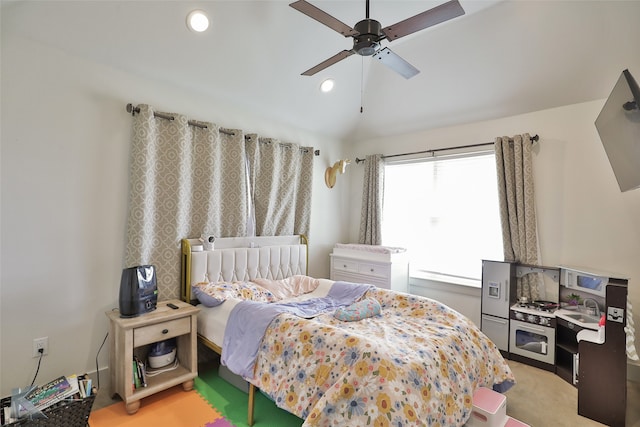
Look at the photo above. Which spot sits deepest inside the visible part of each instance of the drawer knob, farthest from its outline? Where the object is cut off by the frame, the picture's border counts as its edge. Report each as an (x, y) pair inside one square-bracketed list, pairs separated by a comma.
[(165, 331), (344, 266), (372, 270)]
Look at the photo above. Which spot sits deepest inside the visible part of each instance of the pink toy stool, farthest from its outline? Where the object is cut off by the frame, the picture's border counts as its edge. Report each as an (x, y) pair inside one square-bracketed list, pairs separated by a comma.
[(489, 409), (512, 422)]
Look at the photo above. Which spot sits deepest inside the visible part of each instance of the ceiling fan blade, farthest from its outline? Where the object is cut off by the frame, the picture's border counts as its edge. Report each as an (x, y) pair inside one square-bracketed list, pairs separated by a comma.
[(438, 14), (335, 58), (396, 63), (323, 18)]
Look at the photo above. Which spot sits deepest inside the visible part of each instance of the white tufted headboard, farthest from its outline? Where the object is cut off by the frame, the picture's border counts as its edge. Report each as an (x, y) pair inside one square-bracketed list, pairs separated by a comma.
[(242, 259)]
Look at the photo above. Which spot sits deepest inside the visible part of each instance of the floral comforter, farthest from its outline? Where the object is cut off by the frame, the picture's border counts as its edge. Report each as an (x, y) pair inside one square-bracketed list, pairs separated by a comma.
[(418, 363)]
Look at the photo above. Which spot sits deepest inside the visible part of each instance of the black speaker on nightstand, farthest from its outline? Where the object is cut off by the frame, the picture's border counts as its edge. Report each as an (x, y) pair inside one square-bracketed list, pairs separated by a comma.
[(138, 290)]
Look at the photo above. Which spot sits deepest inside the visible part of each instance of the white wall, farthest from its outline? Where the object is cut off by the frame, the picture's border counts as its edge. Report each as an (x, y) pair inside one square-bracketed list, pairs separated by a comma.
[(65, 138), (583, 218)]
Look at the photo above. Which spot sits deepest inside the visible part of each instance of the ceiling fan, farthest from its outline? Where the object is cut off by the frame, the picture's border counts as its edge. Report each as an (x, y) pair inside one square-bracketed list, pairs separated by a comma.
[(368, 33)]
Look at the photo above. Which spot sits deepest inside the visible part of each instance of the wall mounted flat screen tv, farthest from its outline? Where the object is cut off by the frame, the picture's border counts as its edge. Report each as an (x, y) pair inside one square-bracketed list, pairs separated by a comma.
[(619, 127)]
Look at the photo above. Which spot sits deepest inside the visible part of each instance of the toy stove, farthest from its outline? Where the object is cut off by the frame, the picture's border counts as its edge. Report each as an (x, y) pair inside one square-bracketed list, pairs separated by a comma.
[(533, 332)]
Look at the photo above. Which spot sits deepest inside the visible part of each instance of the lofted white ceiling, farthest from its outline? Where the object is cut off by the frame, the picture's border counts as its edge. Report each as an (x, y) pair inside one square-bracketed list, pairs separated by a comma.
[(501, 58)]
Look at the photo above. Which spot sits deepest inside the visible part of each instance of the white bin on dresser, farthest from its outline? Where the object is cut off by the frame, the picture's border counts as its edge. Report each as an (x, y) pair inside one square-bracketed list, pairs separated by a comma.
[(382, 266)]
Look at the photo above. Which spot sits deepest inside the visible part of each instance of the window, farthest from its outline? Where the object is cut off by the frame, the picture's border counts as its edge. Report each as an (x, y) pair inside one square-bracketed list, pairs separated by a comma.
[(445, 212)]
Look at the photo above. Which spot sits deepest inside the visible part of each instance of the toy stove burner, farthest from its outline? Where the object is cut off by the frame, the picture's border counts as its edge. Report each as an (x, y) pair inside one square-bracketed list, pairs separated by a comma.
[(540, 305), (536, 312)]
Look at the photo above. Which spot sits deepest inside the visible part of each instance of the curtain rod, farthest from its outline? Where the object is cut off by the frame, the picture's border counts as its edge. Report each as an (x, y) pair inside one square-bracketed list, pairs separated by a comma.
[(534, 138), (133, 110)]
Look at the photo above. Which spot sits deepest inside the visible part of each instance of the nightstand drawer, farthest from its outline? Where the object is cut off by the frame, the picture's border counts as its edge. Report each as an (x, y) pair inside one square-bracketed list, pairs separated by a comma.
[(345, 265), (161, 331)]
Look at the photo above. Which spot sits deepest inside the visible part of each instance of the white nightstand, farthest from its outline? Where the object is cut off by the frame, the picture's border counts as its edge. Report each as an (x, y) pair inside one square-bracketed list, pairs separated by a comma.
[(129, 336)]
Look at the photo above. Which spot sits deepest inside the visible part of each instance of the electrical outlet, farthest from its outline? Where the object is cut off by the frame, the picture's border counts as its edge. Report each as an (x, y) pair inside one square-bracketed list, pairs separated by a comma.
[(40, 344)]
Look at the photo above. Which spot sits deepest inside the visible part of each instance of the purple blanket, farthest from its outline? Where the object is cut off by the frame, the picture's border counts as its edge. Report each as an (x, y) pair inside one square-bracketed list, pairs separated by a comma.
[(249, 320)]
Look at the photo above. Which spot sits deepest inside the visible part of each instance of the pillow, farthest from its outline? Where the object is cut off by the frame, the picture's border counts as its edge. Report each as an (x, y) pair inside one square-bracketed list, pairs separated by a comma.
[(289, 287), (214, 294), (206, 299), (368, 307)]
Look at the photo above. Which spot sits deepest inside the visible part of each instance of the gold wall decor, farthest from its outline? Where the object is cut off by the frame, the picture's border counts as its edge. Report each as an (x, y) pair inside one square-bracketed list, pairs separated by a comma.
[(332, 171)]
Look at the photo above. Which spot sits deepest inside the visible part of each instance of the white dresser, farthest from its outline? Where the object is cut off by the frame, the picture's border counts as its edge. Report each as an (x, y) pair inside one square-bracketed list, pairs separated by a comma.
[(377, 265)]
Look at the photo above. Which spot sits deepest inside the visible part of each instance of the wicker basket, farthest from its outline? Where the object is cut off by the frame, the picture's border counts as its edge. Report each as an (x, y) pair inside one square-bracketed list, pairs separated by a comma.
[(67, 413)]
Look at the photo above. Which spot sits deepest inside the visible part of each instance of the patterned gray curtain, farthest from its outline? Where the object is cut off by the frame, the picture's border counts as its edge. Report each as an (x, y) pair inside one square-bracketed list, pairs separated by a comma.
[(372, 195), (184, 180), (517, 208), (280, 176)]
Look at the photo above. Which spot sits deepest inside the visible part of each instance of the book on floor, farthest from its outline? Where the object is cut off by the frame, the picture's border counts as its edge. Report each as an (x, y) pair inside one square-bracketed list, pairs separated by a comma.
[(52, 392)]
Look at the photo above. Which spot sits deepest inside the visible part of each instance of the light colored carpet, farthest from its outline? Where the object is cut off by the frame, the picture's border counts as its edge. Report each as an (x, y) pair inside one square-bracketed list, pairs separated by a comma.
[(542, 399)]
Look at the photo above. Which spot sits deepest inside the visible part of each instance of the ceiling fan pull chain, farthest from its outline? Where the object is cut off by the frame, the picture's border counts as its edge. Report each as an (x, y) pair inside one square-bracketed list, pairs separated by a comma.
[(362, 82)]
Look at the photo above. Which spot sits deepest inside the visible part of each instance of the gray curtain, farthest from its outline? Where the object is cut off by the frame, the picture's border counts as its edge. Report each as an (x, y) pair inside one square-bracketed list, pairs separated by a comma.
[(184, 181), (372, 200), (517, 207), (280, 176)]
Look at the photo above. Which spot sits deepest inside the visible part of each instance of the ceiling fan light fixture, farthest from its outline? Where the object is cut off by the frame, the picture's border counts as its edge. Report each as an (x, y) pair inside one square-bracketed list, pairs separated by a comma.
[(366, 47), (327, 85), (197, 21), (370, 32)]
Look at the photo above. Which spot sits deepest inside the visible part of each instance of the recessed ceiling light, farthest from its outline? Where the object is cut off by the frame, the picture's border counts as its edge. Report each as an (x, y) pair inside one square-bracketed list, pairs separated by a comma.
[(197, 21), (327, 85)]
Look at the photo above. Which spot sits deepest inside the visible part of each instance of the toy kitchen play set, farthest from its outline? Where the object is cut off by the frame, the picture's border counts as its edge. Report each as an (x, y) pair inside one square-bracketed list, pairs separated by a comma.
[(576, 329)]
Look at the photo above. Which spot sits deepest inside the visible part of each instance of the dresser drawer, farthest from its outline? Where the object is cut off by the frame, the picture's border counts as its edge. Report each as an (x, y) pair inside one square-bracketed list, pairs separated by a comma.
[(373, 270), (161, 331), (345, 276), (345, 265)]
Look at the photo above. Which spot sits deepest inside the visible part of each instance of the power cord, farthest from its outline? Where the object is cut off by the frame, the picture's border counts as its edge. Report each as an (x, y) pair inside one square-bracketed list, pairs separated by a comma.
[(41, 351), (98, 354), (153, 372)]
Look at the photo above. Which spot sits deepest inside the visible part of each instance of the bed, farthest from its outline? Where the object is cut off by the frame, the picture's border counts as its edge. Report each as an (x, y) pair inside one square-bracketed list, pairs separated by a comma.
[(410, 360)]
